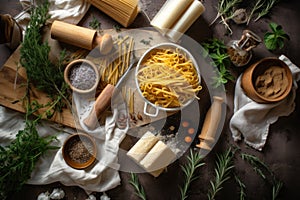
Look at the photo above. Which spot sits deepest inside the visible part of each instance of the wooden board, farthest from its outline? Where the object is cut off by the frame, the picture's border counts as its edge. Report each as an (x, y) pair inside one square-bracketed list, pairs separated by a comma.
[(13, 77)]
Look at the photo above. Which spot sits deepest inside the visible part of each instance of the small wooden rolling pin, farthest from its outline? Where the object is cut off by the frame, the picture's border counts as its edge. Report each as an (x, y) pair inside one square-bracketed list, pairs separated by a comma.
[(81, 37), (210, 125), (101, 104)]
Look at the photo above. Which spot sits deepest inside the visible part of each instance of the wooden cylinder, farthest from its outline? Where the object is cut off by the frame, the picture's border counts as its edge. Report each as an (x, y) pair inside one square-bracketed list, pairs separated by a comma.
[(72, 34), (169, 14), (210, 125), (186, 20), (101, 104)]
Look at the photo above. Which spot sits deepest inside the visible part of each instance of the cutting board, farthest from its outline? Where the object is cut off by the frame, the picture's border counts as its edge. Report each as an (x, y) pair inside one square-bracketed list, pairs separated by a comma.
[(13, 77)]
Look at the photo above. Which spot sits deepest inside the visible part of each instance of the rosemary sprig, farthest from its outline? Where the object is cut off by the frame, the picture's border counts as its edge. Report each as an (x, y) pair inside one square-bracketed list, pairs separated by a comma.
[(139, 190), (258, 165), (258, 4), (242, 187), (194, 162), (276, 188), (34, 57), (224, 10), (223, 168), (269, 4)]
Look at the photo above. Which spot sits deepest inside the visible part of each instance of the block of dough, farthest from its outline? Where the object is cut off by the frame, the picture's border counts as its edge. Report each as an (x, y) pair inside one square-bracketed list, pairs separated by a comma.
[(158, 158), (142, 147)]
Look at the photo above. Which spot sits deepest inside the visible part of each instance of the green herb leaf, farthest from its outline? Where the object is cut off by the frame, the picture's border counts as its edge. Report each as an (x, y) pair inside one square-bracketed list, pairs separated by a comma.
[(34, 57), (275, 40), (193, 163), (139, 190), (19, 158), (223, 169), (95, 24)]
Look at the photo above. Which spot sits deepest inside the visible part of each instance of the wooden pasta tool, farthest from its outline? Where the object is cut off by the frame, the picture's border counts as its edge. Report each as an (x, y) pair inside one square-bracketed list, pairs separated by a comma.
[(101, 104), (81, 37), (104, 99), (210, 125)]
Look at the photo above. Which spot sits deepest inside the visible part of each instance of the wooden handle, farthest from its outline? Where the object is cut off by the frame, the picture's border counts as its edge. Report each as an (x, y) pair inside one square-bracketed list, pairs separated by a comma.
[(101, 104), (210, 125)]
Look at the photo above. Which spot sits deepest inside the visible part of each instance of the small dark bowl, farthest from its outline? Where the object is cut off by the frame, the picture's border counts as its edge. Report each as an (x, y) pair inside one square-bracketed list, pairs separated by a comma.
[(88, 141), (250, 75)]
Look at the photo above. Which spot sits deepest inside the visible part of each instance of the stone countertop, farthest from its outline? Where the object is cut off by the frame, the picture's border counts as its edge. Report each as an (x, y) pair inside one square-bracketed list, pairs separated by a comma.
[(281, 152)]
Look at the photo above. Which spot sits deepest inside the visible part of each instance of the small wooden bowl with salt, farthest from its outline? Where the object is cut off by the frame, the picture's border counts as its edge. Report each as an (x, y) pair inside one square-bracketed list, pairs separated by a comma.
[(79, 151), (82, 76)]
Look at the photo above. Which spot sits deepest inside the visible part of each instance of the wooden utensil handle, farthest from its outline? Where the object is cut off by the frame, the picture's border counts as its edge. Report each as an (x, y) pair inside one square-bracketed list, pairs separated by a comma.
[(211, 123), (101, 104)]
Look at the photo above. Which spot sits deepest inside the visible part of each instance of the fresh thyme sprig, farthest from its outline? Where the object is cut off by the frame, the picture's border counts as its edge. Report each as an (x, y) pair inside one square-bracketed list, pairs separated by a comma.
[(193, 163), (242, 187), (34, 57), (269, 4), (223, 168), (139, 190), (19, 158), (94, 23)]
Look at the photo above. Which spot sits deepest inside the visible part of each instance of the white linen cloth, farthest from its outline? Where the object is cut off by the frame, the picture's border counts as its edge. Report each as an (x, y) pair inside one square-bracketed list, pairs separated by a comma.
[(252, 120), (71, 11), (51, 167)]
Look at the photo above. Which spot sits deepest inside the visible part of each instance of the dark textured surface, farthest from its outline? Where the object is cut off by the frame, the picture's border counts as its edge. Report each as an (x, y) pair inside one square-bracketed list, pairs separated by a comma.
[(281, 151)]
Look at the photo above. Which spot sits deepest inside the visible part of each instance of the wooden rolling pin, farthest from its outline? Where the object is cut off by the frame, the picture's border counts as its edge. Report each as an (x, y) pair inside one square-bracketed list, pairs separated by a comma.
[(210, 125), (81, 37), (101, 104)]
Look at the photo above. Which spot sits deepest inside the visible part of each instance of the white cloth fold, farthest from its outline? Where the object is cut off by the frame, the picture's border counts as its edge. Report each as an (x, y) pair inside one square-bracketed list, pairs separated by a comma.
[(51, 167), (64, 10), (252, 120)]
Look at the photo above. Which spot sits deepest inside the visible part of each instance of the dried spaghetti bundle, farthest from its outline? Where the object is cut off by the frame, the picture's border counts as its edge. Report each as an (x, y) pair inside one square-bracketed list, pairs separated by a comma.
[(123, 11)]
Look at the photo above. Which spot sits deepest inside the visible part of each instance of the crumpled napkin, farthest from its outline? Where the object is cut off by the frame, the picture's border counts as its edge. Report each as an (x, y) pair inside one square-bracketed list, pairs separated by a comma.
[(51, 167), (252, 120), (64, 10)]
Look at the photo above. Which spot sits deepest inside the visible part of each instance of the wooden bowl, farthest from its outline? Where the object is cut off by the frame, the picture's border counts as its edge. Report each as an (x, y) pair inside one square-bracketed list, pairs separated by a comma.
[(79, 151), (260, 81), (89, 77)]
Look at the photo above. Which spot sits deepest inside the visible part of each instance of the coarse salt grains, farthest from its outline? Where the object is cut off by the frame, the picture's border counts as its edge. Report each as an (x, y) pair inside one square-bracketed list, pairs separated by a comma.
[(82, 76)]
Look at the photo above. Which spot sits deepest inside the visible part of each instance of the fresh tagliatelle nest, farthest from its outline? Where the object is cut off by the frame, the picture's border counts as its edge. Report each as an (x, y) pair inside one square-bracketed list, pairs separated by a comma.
[(168, 78)]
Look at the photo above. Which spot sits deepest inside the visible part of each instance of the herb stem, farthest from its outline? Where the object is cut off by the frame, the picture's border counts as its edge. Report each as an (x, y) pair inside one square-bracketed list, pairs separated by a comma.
[(139, 190), (257, 6), (223, 168), (189, 169)]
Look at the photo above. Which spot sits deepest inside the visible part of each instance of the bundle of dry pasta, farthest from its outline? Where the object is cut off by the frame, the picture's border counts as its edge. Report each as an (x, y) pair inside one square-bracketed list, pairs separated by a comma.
[(123, 11), (168, 79), (117, 64)]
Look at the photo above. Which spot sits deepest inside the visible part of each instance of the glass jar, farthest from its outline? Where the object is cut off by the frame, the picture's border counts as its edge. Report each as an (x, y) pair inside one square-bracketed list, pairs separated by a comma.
[(240, 51)]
